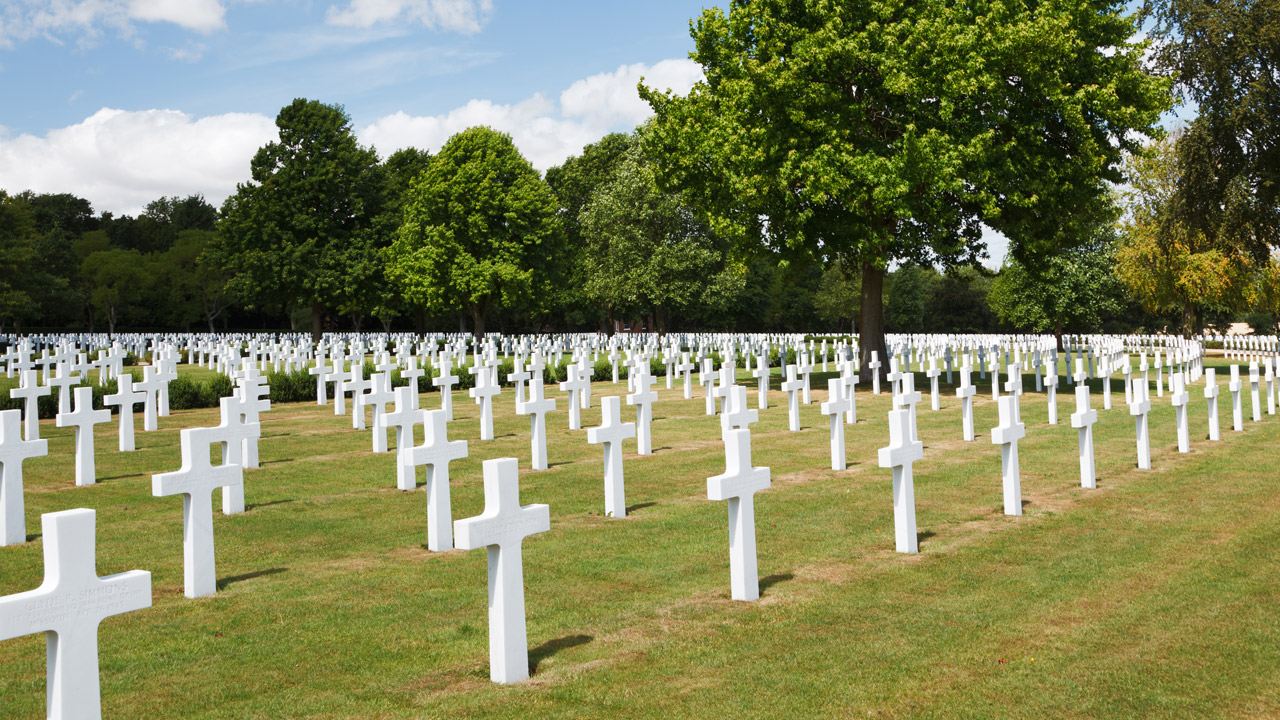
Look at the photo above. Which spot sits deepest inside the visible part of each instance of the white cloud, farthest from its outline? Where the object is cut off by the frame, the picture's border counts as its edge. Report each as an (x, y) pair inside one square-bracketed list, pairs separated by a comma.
[(546, 134), (25, 19), (465, 16), (610, 99), (122, 160), (200, 15)]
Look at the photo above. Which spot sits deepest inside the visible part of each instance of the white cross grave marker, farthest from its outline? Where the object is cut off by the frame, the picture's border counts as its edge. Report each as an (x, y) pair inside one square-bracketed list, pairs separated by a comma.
[(901, 453), (436, 452), (610, 434), (965, 392), (1179, 399), (83, 420), (835, 407), (195, 481), (1211, 395), (13, 451), (791, 386), (1083, 420), (30, 392), (68, 607), (484, 391), (537, 408), (1139, 409), (738, 484), (1006, 435), (502, 528)]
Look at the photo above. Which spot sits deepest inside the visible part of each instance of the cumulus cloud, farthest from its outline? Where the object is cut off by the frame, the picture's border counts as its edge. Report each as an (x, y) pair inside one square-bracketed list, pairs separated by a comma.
[(465, 16), (122, 160), (25, 19), (609, 99), (545, 131)]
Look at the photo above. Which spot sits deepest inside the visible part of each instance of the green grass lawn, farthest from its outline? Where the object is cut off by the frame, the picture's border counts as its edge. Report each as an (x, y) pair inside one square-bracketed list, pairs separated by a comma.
[(1154, 596)]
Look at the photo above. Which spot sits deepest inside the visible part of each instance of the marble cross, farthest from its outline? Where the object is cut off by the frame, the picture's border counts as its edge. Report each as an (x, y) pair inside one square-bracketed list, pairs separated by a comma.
[(484, 391), (643, 398), (932, 373), (965, 392), (610, 434), (738, 484), (1139, 408), (124, 399), (502, 528), (13, 451), (322, 371), (792, 386), (83, 420), (537, 408), (708, 381), (195, 481), (738, 416), (575, 384), (1006, 435), (1211, 395), (30, 391), (848, 382), (1179, 398), (436, 452), (1255, 400), (834, 408), (151, 405), (1237, 407), (901, 453), (445, 380), (761, 374), (68, 607), (1083, 420), (403, 419), (875, 365)]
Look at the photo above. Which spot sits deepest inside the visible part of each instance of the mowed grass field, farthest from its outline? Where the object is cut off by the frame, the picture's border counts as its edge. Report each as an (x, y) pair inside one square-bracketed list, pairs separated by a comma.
[(1157, 595)]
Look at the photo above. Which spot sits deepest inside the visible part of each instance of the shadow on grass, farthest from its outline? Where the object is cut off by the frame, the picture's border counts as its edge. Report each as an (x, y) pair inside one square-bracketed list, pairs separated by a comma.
[(639, 506), (922, 536), (224, 582), (33, 537), (771, 580), (551, 647), (275, 462), (117, 477), (255, 506)]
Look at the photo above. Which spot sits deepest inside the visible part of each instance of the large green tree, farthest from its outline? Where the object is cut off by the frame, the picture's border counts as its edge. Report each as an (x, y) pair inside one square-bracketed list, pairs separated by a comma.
[(290, 235), (480, 229), (646, 251), (1072, 290), (17, 226), (1166, 259), (883, 131), (1225, 57)]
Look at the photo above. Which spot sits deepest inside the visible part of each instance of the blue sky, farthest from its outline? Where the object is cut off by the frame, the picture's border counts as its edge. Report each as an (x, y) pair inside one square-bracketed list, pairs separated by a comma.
[(123, 101)]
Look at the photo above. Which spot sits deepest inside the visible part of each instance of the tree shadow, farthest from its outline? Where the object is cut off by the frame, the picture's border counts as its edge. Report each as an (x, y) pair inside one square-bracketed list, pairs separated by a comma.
[(551, 647), (224, 582), (771, 580), (255, 506), (639, 506)]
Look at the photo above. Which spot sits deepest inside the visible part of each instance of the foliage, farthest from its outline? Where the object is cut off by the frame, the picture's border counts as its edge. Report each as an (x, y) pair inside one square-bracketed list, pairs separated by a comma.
[(885, 132), (17, 253), (116, 278), (298, 230), (1164, 259), (908, 291), (646, 251), (480, 229), (1070, 291), (839, 293), (1224, 56)]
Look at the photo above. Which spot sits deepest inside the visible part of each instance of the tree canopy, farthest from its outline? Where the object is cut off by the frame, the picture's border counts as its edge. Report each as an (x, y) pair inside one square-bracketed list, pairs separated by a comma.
[(885, 131), (298, 231), (480, 228)]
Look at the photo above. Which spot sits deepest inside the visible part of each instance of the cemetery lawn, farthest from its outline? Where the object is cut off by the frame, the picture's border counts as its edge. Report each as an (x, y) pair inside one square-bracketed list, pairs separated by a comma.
[(1154, 596)]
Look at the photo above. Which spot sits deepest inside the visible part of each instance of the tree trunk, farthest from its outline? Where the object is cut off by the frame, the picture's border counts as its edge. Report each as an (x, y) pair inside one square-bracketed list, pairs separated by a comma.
[(1188, 318), (872, 325), (420, 322), (660, 316), (1057, 333), (477, 318), (610, 327), (316, 319)]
